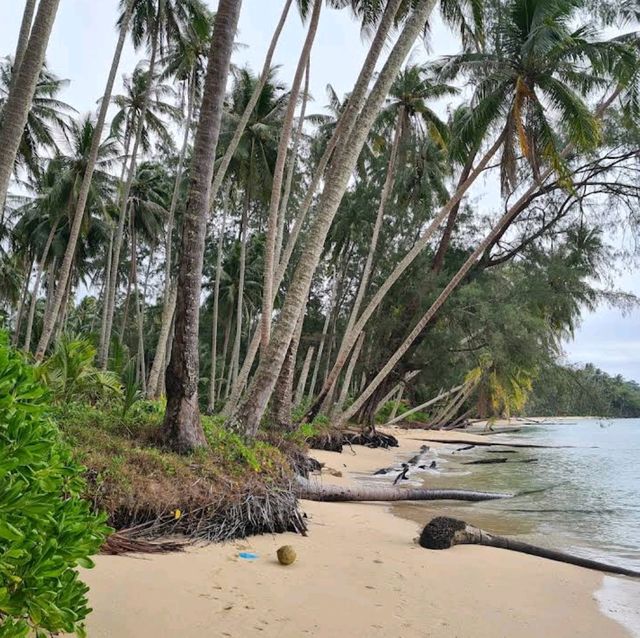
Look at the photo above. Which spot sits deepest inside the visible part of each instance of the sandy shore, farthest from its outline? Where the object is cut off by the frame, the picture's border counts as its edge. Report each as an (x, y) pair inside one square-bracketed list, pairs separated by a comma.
[(359, 573)]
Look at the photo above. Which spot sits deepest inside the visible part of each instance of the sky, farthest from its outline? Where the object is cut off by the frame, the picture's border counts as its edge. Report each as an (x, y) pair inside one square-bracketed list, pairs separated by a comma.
[(81, 47)]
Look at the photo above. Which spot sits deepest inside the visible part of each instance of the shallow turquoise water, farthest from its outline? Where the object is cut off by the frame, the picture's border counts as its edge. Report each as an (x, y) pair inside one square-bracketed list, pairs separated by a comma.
[(594, 510)]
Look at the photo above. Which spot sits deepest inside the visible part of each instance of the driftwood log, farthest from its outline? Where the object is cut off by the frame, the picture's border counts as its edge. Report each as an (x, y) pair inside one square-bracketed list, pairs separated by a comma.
[(337, 493), (443, 532)]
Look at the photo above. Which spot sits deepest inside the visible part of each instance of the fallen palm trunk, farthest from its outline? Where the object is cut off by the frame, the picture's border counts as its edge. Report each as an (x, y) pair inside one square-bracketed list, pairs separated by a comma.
[(338, 493), (443, 532)]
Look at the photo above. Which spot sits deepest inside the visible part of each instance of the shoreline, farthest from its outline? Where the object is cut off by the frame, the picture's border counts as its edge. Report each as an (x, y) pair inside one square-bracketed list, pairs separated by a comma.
[(358, 573)]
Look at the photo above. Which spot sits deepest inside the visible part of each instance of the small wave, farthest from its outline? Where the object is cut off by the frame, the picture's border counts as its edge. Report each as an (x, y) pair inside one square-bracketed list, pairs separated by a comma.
[(619, 599)]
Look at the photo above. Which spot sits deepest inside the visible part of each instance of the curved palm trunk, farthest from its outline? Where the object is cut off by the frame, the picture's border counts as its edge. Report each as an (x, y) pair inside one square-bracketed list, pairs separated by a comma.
[(138, 308), (23, 39), (497, 230), (443, 532), (350, 338), (339, 493), (16, 108), (342, 131), (216, 303), (36, 286), (247, 417), (251, 104), (83, 194), (278, 176), (182, 427)]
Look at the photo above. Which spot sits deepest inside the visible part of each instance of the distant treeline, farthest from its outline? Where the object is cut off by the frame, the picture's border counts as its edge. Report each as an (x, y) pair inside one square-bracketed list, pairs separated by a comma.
[(583, 391)]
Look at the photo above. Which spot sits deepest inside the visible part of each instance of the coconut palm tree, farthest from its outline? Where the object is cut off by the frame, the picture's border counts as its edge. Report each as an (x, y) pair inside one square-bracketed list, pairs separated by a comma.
[(58, 191), (48, 117), (15, 112), (65, 269), (553, 66), (182, 426), (248, 415)]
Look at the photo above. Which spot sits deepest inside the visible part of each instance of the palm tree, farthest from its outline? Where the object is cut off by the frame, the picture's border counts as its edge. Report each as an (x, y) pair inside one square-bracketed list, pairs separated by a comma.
[(83, 195), (410, 118), (278, 177), (47, 119), (23, 37), (540, 38), (59, 189), (248, 415), (186, 62), (154, 23), (182, 426), (15, 112)]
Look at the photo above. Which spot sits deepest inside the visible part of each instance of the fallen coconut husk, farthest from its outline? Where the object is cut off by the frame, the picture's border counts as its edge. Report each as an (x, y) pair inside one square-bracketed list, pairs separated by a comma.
[(443, 532)]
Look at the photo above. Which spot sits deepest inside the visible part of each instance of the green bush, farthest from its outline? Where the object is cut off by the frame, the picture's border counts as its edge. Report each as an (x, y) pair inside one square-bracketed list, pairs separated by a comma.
[(46, 529)]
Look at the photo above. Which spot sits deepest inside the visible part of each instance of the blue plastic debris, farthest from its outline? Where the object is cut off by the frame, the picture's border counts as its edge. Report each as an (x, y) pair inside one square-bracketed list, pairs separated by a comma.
[(248, 555)]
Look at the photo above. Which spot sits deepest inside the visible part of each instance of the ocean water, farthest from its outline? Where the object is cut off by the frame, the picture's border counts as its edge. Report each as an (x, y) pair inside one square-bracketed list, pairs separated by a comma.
[(589, 503)]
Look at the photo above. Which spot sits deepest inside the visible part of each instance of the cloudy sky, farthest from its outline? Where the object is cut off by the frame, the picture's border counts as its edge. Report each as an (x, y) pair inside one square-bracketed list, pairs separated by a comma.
[(82, 44)]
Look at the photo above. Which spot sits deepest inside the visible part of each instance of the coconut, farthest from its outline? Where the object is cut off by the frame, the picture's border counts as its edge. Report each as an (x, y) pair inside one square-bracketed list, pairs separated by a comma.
[(286, 555)]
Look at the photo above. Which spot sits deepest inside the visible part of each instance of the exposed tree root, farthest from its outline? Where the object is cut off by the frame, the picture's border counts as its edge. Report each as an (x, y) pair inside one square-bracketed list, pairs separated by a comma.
[(119, 543), (443, 532), (334, 441)]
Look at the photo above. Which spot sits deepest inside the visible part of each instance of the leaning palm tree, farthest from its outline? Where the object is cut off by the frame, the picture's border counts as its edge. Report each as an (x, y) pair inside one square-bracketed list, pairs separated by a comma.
[(182, 426), (543, 69), (247, 416), (408, 114), (15, 112)]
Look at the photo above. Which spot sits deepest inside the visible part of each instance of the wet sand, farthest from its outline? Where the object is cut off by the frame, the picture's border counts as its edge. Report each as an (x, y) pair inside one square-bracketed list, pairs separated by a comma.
[(359, 573)]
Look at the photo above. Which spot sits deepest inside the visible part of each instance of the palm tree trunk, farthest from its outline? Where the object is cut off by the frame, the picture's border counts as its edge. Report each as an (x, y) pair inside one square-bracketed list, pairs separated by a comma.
[(18, 103), (235, 356), (278, 177), (216, 304), (247, 417), (340, 494), (225, 352), (443, 246), (251, 105), (284, 204), (443, 532), (107, 283), (176, 189), (83, 194), (127, 296), (350, 338), (23, 39), (154, 389), (36, 285), (21, 304), (349, 373), (302, 381), (124, 204), (341, 132), (182, 427), (422, 406), (281, 402), (139, 312)]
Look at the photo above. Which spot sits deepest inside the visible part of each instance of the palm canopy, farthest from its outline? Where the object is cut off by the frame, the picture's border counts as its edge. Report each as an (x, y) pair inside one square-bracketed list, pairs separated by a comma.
[(148, 201), (256, 153), (532, 82), (47, 117), (158, 109)]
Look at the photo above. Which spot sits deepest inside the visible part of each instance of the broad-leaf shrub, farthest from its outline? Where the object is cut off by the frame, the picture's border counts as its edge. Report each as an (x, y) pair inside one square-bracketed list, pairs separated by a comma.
[(46, 528)]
